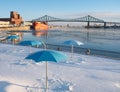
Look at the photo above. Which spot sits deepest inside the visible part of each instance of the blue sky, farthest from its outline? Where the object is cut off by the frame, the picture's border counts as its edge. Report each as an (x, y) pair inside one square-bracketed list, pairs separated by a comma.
[(31, 9)]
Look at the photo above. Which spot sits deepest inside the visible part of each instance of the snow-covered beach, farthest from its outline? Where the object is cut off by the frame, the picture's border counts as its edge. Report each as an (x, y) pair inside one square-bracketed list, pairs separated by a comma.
[(81, 73)]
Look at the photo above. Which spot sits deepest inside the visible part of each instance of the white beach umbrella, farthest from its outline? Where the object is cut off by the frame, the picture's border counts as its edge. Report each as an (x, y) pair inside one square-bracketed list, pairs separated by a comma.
[(73, 43)]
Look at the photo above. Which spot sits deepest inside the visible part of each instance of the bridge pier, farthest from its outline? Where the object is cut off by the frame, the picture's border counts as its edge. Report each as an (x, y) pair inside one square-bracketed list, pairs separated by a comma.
[(88, 24), (104, 24)]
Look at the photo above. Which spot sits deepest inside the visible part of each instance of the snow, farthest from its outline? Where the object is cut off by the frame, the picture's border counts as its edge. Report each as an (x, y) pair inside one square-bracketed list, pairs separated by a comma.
[(81, 73)]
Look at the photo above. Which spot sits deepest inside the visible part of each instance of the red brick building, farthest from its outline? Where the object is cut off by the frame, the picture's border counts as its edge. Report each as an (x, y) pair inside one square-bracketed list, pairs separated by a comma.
[(15, 18)]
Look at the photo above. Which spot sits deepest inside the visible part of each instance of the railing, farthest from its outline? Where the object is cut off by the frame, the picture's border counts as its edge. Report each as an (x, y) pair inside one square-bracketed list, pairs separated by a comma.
[(96, 52), (80, 50)]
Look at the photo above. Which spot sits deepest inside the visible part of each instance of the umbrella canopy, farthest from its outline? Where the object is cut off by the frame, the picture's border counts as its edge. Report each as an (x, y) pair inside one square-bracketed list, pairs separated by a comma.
[(47, 55), (73, 42), (13, 37), (30, 43)]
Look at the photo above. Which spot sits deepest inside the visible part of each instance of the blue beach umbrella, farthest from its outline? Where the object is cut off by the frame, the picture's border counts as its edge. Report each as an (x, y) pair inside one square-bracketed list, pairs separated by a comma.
[(47, 55), (30, 43), (12, 37)]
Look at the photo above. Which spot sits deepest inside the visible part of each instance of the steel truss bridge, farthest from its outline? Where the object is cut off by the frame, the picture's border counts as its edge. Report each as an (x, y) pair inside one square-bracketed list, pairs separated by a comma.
[(87, 19)]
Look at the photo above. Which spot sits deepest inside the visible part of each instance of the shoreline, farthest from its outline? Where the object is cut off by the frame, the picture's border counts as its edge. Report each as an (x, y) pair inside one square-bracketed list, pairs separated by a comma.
[(15, 28), (82, 50)]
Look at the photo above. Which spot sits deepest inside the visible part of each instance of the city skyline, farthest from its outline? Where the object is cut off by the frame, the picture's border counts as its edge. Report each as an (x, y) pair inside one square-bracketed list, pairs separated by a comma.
[(31, 9)]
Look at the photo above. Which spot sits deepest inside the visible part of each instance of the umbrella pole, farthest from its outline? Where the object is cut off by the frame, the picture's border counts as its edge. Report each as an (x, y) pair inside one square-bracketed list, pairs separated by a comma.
[(71, 51), (44, 45), (46, 76), (30, 49)]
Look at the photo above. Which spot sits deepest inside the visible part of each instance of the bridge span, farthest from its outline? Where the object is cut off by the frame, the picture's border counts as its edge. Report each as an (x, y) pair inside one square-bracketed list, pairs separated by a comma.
[(89, 19)]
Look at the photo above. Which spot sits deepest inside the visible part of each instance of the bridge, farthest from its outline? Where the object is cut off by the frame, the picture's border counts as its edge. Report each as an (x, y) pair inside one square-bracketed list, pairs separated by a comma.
[(87, 19)]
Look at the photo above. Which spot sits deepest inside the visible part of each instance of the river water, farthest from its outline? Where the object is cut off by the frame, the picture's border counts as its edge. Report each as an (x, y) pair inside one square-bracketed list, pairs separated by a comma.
[(96, 38), (100, 41)]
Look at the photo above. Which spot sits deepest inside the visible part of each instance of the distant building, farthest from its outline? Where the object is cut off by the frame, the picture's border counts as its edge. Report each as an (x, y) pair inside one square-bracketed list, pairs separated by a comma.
[(14, 19)]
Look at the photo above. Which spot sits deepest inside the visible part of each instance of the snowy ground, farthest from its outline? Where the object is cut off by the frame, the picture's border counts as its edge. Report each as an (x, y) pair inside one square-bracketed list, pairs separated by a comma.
[(81, 73)]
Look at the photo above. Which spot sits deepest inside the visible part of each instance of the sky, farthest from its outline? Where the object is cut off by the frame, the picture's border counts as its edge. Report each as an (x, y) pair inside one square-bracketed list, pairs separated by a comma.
[(32, 9)]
